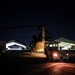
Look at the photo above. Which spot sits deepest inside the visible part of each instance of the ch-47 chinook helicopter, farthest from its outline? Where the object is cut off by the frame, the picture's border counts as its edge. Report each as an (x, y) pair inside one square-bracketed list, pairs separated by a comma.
[(40, 42)]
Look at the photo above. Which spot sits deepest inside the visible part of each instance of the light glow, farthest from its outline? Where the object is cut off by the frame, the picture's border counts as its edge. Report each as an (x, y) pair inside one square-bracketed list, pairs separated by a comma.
[(67, 54), (14, 43), (55, 54), (39, 47)]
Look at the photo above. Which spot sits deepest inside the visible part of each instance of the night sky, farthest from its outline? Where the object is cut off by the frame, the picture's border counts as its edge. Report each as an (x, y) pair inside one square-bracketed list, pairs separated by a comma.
[(59, 18)]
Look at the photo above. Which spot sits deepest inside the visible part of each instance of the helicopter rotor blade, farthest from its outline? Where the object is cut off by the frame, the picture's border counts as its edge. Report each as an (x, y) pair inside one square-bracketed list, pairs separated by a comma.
[(28, 26), (12, 27)]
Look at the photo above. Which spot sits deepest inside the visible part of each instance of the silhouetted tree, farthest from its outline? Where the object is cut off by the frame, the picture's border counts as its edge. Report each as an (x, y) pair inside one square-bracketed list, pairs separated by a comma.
[(33, 42)]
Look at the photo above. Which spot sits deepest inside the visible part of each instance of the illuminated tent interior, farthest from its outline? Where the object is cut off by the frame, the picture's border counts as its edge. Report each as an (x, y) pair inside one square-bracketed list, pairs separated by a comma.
[(65, 44), (15, 45)]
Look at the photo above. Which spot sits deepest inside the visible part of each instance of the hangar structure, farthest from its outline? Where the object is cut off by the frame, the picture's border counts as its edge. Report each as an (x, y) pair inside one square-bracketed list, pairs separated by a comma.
[(65, 44), (15, 45)]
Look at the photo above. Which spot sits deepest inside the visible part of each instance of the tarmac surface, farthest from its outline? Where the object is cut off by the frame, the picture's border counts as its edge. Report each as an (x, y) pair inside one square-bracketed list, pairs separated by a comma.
[(26, 63)]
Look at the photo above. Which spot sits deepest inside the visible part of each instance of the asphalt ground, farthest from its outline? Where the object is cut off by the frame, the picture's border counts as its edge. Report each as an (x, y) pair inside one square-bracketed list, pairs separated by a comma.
[(25, 63)]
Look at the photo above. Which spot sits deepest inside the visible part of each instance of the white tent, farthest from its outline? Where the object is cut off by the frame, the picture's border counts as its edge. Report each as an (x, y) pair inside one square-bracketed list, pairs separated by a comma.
[(15, 45), (65, 44)]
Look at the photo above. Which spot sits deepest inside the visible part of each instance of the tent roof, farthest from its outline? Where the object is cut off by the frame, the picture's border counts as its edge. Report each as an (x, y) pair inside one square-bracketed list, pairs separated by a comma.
[(62, 39), (16, 42)]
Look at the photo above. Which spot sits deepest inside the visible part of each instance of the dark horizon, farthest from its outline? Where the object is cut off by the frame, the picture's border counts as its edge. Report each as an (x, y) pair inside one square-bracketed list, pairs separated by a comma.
[(60, 15)]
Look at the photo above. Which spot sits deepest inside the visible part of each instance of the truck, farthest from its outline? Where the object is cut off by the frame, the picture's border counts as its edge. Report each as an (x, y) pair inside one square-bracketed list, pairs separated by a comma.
[(53, 53)]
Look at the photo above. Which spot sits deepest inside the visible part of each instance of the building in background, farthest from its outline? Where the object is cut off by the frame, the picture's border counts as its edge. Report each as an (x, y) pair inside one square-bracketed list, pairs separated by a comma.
[(15, 45), (64, 44)]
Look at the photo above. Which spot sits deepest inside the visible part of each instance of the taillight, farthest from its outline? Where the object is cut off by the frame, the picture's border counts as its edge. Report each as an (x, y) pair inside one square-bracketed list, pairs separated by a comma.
[(67, 54), (55, 54)]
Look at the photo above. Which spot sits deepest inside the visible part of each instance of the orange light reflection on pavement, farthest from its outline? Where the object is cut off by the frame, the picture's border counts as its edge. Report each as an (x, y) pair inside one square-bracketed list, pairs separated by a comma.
[(56, 68)]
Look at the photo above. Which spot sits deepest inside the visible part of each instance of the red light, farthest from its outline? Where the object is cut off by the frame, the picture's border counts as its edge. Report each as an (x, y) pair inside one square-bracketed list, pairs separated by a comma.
[(67, 54), (55, 54)]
